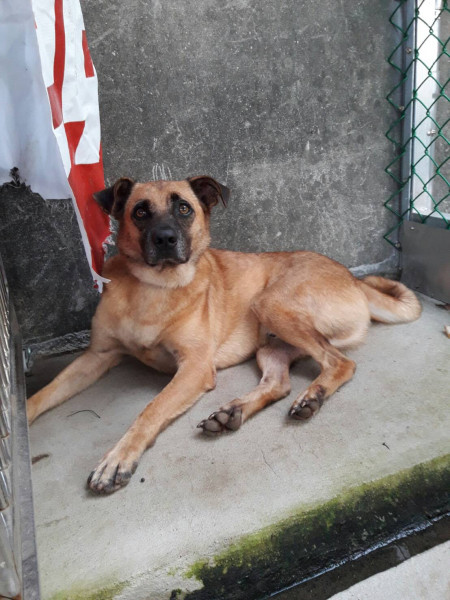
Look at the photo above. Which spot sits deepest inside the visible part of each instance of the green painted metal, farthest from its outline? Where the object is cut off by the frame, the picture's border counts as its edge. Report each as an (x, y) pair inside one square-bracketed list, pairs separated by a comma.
[(420, 131)]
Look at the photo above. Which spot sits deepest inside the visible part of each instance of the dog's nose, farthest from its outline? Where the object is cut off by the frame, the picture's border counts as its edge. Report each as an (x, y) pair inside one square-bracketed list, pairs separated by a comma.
[(164, 237)]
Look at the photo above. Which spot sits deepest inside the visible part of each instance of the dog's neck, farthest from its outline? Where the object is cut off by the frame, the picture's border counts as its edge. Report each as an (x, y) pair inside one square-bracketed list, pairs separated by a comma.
[(167, 277)]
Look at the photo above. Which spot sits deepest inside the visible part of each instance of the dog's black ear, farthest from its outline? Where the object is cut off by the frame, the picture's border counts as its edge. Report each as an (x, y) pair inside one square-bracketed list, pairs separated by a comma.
[(209, 191), (112, 200)]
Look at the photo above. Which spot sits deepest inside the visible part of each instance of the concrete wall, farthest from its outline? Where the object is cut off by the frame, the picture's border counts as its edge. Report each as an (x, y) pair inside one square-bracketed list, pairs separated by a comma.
[(282, 101), (45, 264)]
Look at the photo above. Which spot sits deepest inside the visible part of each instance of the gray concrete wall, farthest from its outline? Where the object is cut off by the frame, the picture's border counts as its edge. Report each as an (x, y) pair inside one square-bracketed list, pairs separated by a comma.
[(282, 101), (45, 265)]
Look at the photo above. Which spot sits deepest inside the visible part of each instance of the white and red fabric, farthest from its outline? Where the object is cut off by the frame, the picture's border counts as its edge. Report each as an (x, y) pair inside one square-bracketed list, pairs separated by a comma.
[(49, 116)]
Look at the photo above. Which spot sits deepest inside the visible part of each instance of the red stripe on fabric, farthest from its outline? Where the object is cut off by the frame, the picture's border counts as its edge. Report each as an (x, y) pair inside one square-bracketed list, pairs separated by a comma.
[(88, 64), (55, 90), (84, 181), (74, 131)]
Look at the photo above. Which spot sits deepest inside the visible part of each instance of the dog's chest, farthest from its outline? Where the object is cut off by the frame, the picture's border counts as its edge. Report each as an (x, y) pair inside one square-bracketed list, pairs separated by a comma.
[(135, 334), (136, 320)]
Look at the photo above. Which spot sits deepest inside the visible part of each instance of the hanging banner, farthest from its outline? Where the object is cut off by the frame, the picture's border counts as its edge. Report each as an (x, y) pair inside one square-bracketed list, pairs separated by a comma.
[(50, 113)]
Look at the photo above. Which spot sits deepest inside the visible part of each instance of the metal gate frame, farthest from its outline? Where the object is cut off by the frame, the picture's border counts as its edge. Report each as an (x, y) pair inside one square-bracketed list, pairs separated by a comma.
[(422, 230)]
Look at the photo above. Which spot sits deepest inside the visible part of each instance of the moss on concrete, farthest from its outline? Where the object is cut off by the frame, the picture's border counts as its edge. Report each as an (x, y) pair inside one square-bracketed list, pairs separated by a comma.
[(102, 593), (316, 538)]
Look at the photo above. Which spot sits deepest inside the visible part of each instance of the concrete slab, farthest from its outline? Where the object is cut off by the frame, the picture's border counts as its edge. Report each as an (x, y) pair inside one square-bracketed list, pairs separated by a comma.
[(192, 496), (423, 577)]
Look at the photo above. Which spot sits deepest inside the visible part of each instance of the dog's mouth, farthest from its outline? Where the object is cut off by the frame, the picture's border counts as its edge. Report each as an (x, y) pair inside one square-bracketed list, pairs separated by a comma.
[(158, 264), (166, 262)]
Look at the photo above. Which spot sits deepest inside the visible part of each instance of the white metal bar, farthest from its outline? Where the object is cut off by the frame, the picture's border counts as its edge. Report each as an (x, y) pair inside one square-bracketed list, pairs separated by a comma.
[(427, 91)]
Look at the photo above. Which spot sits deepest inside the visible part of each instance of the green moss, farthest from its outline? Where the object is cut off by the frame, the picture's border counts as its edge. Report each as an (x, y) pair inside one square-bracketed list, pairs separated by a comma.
[(105, 593), (314, 538)]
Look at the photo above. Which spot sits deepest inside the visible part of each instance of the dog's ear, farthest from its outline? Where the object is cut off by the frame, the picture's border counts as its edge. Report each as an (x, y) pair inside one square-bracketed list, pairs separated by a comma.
[(209, 191), (112, 200)]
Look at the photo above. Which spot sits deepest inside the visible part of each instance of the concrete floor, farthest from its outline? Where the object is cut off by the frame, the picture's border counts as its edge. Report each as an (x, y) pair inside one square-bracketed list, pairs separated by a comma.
[(192, 496), (422, 577)]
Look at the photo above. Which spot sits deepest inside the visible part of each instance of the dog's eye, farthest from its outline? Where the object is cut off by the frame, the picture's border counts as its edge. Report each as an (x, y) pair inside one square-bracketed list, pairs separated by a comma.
[(184, 208), (140, 213)]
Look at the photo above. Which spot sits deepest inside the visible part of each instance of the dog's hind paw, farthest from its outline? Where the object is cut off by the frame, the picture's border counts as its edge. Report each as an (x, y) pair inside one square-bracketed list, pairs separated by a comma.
[(308, 404), (225, 419)]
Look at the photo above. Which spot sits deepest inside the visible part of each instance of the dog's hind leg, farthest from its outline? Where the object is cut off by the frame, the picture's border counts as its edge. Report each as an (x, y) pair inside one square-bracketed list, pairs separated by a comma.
[(297, 329), (274, 360), (336, 369), (80, 374)]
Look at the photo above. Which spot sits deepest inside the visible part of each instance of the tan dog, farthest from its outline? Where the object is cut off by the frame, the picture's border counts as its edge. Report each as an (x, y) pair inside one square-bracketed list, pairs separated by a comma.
[(181, 307)]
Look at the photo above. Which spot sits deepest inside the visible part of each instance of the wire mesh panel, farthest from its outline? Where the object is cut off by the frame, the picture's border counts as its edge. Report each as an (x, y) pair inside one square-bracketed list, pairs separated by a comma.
[(420, 131)]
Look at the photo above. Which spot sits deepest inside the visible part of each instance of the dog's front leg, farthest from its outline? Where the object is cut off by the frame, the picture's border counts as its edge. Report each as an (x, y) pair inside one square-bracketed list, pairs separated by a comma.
[(195, 376), (79, 375)]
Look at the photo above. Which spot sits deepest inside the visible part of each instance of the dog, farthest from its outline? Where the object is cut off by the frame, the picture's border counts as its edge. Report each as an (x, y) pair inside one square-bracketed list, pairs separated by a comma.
[(184, 308)]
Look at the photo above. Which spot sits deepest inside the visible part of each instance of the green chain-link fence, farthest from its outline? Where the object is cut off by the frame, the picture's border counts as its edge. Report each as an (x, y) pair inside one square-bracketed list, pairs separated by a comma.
[(420, 132)]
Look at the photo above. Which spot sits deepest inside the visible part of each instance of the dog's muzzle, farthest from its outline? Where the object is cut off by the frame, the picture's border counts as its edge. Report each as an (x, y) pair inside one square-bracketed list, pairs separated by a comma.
[(165, 245), (164, 239)]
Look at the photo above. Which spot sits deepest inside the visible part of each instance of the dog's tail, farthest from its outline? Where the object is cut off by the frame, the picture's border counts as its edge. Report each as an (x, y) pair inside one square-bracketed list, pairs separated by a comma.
[(390, 301)]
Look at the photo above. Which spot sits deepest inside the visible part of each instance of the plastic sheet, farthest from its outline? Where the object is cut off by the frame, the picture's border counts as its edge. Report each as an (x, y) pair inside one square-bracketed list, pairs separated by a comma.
[(50, 122)]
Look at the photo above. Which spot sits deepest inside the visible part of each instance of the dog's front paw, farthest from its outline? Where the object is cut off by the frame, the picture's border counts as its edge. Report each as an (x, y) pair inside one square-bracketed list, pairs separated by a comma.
[(113, 472), (225, 419), (308, 404)]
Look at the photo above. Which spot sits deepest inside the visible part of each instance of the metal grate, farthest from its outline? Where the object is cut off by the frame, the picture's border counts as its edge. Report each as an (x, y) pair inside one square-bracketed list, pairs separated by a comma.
[(9, 577), (420, 132), (18, 565)]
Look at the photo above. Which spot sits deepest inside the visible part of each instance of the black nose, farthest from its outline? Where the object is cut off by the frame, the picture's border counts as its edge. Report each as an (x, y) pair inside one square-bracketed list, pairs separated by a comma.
[(164, 238)]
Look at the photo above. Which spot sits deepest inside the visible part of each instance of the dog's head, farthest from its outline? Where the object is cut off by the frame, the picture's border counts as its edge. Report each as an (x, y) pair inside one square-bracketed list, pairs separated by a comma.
[(162, 224)]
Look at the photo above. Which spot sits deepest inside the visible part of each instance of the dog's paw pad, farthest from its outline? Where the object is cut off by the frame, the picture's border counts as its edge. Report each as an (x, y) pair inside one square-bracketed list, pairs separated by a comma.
[(222, 420), (309, 404)]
